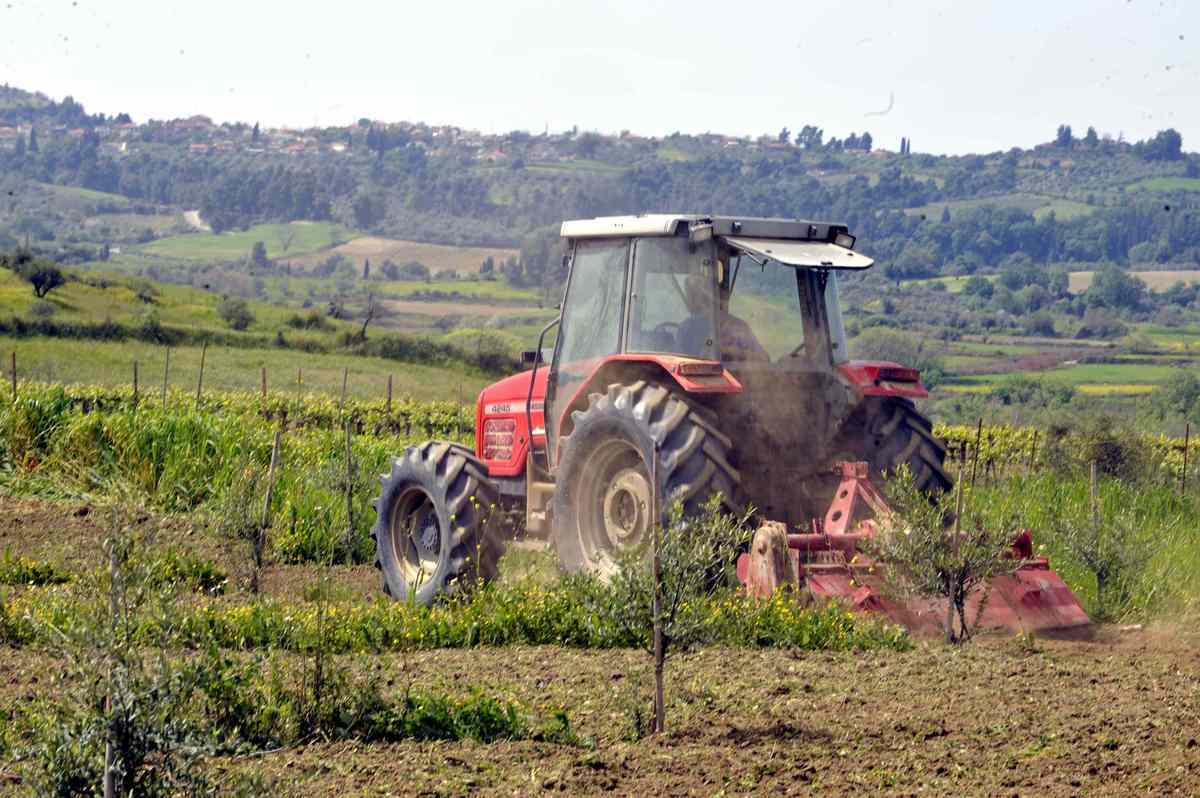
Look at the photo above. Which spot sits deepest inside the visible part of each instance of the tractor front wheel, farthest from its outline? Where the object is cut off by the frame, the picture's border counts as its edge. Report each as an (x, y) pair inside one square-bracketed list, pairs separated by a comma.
[(433, 533), (605, 497)]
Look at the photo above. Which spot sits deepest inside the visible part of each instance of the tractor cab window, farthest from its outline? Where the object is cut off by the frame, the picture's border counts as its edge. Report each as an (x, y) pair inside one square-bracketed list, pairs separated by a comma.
[(776, 303), (673, 299), (591, 314)]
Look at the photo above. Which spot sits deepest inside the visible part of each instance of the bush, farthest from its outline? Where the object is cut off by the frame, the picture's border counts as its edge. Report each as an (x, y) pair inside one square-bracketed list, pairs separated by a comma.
[(42, 309), (235, 312)]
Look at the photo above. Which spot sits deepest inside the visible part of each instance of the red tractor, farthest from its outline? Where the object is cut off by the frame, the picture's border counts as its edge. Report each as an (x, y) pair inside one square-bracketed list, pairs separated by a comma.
[(715, 342)]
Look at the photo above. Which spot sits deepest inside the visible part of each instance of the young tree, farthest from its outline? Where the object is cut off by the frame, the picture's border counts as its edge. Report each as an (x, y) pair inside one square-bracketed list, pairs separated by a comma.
[(694, 559), (286, 234), (44, 275), (1091, 139), (366, 269), (924, 553), (33, 139), (254, 134), (785, 136), (258, 255), (1063, 138)]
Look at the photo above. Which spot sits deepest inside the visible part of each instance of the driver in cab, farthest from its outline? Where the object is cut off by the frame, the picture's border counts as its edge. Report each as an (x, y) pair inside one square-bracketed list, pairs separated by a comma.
[(738, 341)]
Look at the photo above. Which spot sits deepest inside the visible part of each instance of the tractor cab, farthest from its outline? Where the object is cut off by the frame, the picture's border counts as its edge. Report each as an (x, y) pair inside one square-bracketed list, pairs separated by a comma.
[(706, 296)]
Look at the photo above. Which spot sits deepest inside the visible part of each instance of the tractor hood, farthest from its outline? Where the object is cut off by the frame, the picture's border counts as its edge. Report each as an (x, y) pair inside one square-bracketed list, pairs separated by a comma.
[(800, 254)]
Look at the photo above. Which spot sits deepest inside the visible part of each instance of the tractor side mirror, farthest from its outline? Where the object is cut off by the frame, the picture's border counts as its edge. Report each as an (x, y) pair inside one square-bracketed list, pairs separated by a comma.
[(532, 357)]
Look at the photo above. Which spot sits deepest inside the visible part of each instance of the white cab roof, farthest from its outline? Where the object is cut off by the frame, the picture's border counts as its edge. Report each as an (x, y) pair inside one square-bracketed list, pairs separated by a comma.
[(811, 254), (649, 224)]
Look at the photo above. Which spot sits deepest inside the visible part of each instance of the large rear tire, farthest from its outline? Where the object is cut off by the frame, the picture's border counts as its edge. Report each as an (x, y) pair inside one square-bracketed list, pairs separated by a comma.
[(888, 433), (434, 533), (603, 499)]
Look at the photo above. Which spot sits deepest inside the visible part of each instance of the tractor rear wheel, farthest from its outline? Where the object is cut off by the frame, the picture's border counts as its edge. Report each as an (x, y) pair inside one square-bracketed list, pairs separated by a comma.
[(888, 433), (433, 533), (604, 496)]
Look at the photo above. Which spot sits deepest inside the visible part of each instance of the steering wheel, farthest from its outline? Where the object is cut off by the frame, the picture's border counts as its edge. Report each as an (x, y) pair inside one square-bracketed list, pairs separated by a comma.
[(668, 328)]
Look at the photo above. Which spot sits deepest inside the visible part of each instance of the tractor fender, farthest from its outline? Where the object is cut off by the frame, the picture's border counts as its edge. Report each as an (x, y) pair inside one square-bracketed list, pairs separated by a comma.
[(691, 375), (883, 378)]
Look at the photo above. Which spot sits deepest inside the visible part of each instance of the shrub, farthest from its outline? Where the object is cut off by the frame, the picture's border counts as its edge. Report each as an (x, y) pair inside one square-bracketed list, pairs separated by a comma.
[(903, 348), (42, 309), (235, 312)]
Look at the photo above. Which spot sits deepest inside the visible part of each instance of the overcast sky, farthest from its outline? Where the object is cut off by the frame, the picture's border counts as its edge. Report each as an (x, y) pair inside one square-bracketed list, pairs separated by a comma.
[(965, 76)]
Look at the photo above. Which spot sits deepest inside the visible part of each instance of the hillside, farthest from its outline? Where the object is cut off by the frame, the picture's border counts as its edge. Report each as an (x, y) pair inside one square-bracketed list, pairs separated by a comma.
[(1076, 261)]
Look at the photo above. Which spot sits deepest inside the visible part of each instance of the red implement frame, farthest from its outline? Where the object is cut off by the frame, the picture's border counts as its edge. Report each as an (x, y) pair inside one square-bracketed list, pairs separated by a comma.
[(827, 562)]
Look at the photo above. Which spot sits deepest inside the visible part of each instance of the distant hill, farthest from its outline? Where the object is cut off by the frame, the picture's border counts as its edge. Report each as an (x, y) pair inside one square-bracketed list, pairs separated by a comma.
[(1075, 200)]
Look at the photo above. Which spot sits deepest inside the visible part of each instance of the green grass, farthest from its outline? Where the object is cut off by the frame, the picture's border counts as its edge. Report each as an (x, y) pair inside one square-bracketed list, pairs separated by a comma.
[(1166, 184), (177, 305), (228, 369), (1127, 374), (577, 165), (86, 194), (309, 237), (672, 154), (1036, 204)]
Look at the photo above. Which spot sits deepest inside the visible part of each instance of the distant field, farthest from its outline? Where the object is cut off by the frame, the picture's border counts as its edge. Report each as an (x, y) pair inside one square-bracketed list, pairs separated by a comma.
[(671, 154), (438, 257), (578, 165), (159, 222), (307, 237), (1036, 204), (1131, 377), (1166, 184), (85, 194), (1155, 281), (108, 363), (174, 304)]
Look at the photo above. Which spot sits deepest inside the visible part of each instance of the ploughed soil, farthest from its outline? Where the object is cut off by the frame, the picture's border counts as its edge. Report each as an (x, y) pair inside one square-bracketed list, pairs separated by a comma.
[(1115, 715)]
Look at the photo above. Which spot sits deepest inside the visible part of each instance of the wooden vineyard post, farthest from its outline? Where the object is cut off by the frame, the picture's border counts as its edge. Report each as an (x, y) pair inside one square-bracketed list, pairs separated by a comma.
[(389, 395), (1187, 439), (260, 540), (1033, 451), (975, 459), (200, 381), (166, 374), (299, 380), (110, 769), (135, 383), (264, 383), (656, 608), (349, 497), (14, 376), (345, 380), (458, 414)]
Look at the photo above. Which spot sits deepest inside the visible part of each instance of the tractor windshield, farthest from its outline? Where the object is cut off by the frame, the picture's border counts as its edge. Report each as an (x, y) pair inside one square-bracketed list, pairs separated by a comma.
[(785, 308), (673, 299)]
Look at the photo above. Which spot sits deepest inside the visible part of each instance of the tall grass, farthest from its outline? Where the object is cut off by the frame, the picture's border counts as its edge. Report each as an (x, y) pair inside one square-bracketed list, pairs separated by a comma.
[(1160, 529), (183, 459)]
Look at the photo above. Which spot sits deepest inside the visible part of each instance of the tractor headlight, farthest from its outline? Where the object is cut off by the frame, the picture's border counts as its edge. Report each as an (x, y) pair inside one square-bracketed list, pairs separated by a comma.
[(844, 240), (498, 437)]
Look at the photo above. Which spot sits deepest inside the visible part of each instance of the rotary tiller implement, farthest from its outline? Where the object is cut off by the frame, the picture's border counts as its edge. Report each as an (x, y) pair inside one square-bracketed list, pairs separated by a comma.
[(829, 563)]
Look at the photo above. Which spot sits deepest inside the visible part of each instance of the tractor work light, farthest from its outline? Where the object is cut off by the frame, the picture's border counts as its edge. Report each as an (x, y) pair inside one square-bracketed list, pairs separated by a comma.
[(498, 436), (844, 240)]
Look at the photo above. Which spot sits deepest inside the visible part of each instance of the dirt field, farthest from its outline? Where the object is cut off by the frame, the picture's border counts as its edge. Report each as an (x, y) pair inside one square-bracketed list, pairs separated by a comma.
[(436, 256), (1078, 282), (1118, 715)]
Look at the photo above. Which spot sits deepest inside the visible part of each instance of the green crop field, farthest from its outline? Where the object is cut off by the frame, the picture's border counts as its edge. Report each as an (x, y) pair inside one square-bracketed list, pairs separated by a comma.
[(1086, 374), (230, 369), (307, 237), (1166, 184), (1037, 204)]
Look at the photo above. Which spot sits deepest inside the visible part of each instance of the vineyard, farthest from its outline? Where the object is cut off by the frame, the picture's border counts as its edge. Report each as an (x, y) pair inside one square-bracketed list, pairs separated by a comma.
[(269, 674)]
